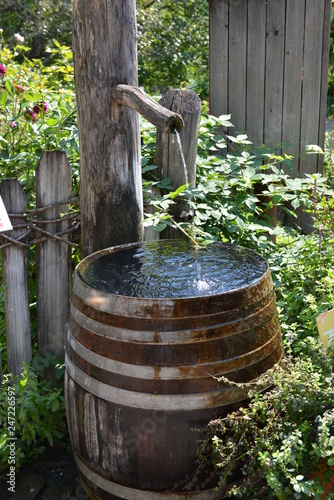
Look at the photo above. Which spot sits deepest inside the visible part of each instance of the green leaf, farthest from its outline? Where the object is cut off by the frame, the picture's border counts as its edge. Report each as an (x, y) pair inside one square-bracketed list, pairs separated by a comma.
[(23, 382), (165, 183), (313, 149), (295, 203), (54, 405), (276, 199), (148, 168), (179, 190), (225, 120), (3, 99), (33, 97), (52, 121), (10, 88), (239, 139), (160, 227)]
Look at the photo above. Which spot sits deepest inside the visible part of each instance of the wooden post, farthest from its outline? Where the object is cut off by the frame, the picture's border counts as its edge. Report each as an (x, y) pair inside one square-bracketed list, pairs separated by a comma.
[(168, 157), (105, 55), (15, 278), (53, 185)]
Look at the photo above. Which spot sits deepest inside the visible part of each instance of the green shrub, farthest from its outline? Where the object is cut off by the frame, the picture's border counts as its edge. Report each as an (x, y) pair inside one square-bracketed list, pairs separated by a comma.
[(38, 419), (270, 448), (37, 112), (173, 45)]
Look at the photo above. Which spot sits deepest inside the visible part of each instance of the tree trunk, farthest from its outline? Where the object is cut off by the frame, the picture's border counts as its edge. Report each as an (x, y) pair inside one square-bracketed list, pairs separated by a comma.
[(105, 55)]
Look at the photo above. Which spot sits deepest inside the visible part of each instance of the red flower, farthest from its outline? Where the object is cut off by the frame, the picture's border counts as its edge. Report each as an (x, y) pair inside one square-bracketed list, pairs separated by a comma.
[(38, 107), (2, 70)]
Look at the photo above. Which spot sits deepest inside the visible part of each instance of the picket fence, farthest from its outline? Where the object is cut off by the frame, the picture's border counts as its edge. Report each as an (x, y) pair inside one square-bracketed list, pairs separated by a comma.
[(51, 228)]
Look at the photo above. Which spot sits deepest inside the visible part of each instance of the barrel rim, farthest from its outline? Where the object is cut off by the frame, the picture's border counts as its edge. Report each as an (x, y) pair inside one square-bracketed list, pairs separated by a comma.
[(163, 300)]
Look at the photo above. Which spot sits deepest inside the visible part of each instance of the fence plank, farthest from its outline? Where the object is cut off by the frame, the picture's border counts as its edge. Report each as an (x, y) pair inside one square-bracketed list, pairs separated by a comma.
[(293, 77), (237, 69), (53, 185), (168, 158), (15, 278), (256, 69), (274, 72), (218, 57), (324, 79), (311, 82)]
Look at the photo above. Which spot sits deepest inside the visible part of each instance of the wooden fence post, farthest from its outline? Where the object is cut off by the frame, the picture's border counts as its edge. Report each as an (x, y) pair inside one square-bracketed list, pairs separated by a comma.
[(53, 186), (15, 278), (168, 158)]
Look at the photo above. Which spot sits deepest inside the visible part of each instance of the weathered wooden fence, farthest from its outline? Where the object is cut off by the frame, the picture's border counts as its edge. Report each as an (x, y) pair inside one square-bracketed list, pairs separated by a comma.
[(269, 68), (50, 228)]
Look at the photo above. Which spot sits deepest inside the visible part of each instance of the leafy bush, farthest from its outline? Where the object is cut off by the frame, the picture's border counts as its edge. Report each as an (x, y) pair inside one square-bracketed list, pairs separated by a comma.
[(37, 111), (173, 45), (237, 186), (39, 417), (269, 449), (37, 21)]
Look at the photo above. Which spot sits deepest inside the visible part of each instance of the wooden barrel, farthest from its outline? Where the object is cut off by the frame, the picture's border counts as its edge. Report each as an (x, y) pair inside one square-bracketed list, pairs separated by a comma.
[(141, 371)]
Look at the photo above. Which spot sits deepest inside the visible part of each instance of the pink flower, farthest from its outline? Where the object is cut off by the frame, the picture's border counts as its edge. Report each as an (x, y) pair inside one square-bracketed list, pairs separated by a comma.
[(38, 107), (2, 70), (13, 124), (30, 115)]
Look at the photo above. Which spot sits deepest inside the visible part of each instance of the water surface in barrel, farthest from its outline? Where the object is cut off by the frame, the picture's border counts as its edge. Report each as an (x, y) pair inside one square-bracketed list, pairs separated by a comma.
[(174, 269)]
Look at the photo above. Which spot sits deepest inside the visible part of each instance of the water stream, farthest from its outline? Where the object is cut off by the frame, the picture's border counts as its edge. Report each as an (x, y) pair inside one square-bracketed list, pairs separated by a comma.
[(182, 157), (185, 177)]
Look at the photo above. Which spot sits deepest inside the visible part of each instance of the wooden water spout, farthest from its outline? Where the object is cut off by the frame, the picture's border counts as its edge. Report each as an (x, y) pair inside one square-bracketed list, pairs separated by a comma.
[(137, 99)]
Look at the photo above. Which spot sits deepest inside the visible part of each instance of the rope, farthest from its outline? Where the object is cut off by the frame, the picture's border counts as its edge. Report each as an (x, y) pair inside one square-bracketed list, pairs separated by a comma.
[(32, 227)]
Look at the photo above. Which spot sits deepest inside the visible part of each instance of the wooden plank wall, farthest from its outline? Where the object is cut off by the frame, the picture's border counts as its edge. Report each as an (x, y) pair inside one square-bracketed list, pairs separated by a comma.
[(268, 68)]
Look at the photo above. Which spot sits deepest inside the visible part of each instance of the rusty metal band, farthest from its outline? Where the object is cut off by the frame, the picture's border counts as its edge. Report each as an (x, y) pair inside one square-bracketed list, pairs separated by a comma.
[(173, 373), (160, 402), (127, 493), (231, 326)]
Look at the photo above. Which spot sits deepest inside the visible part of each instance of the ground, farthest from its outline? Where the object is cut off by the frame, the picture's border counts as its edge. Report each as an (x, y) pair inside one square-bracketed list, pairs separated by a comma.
[(53, 476)]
